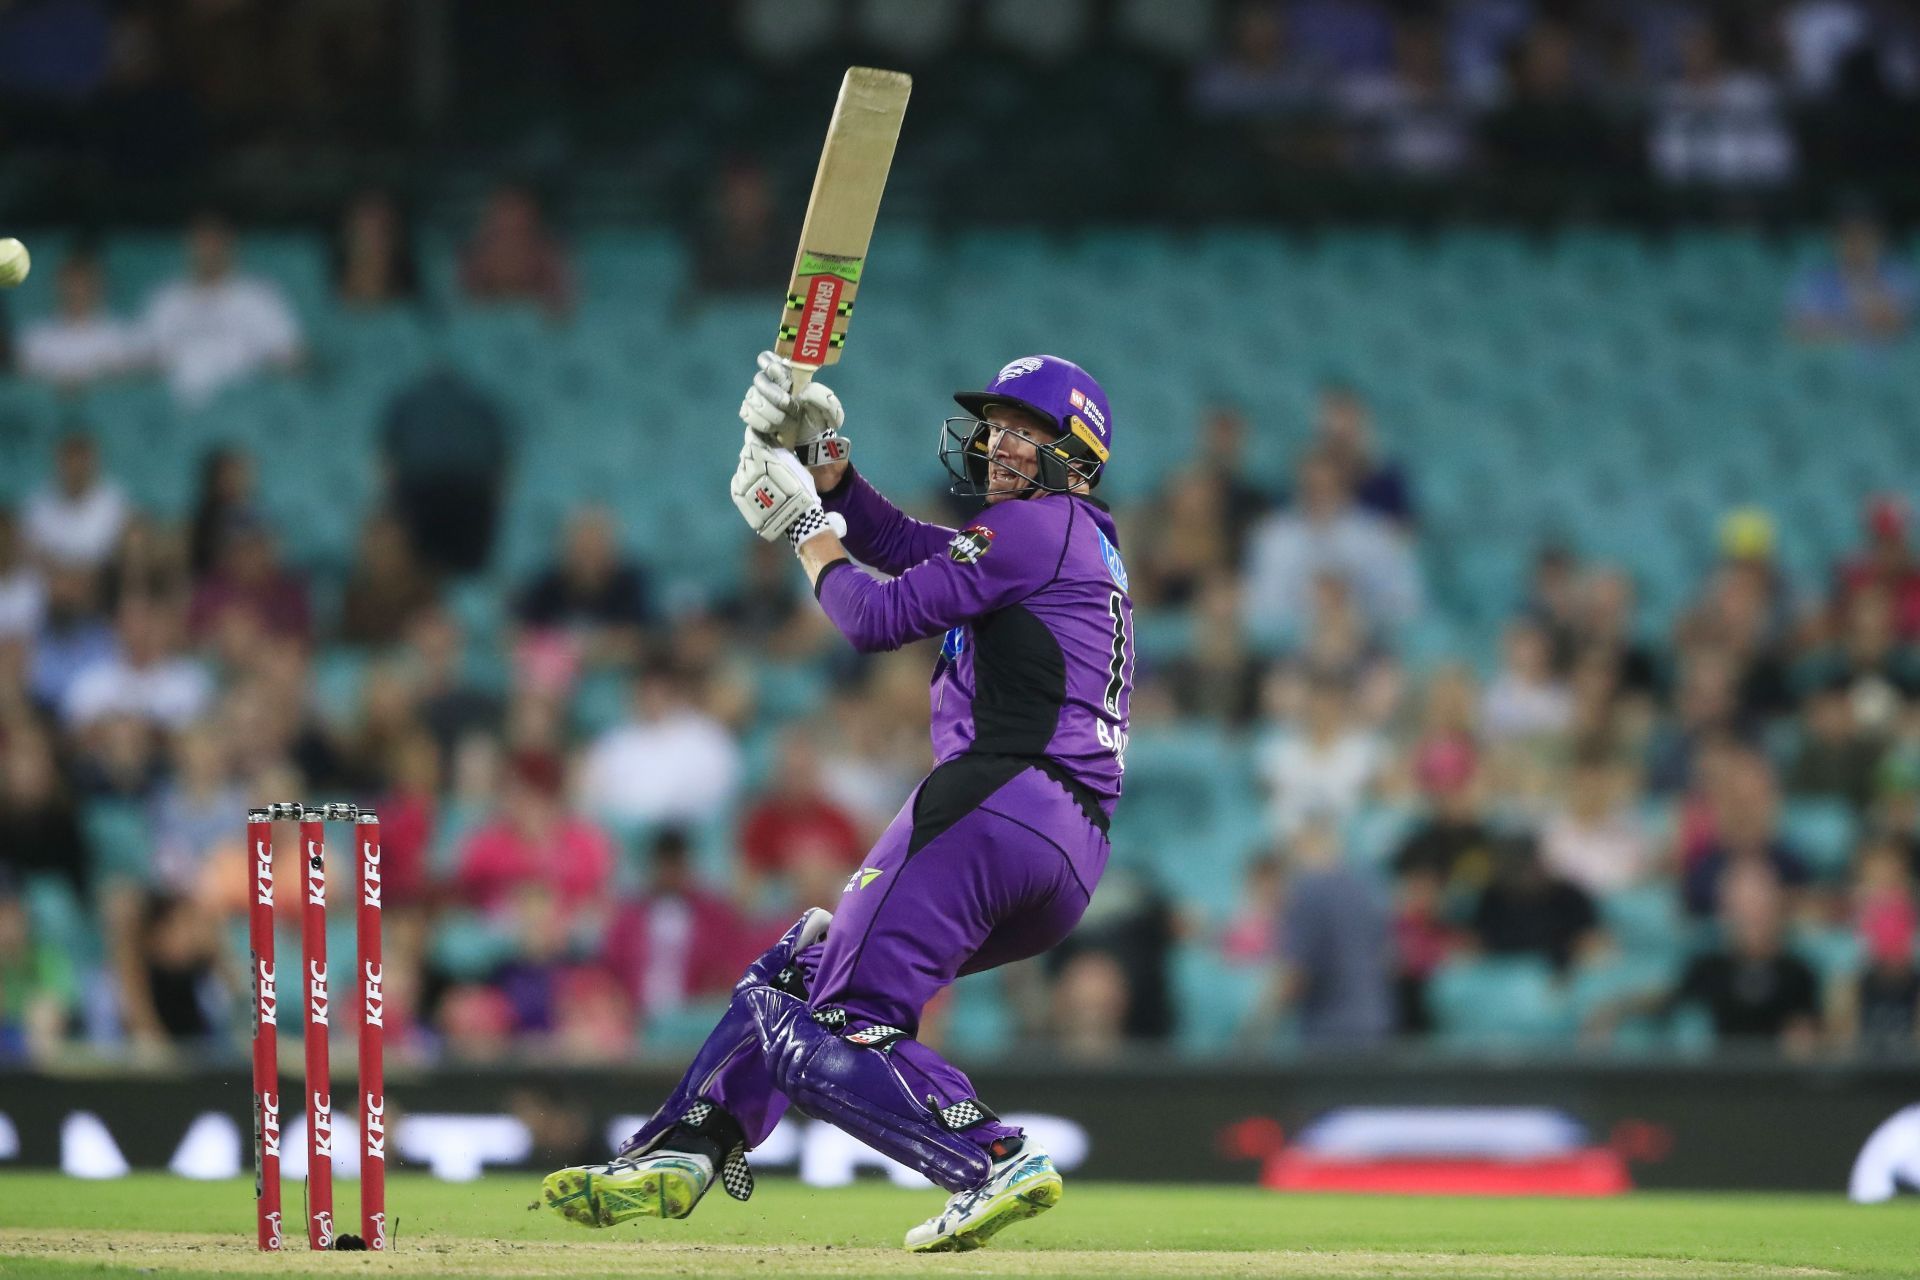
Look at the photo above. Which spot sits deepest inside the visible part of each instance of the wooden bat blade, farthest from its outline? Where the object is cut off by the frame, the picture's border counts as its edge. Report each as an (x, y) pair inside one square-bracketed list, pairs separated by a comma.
[(847, 188)]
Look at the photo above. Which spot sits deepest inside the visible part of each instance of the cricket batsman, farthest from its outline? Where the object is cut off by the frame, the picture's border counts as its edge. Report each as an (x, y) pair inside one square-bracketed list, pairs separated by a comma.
[(994, 855)]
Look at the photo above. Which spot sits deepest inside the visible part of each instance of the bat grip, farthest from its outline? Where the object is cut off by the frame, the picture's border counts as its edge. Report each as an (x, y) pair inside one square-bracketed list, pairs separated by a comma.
[(802, 375)]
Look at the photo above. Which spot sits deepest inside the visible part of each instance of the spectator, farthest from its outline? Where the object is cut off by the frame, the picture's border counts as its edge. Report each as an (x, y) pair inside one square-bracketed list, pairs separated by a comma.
[(387, 588), (373, 264), (23, 588), (1218, 676), (1223, 458), (669, 762), (1879, 673), (226, 490), (38, 987), (677, 940), (1345, 435), (795, 814), (1833, 758), (1547, 115), (513, 257), (1863, 295), (1191, 543), (1888, 564), (1718, 124), (409, 813), (1252, 934), (1527, 910), (1751, 986), (192, 817), (1407, 120), (1593, 840), (1324, 533), (1746, 819), (82, 342), (449, 704), (533, 843), (592, 601), (250, 588), (1131, 926), (1704, 711), (1525, 702), (217, 326), (1453, 842), (1878, 1009), (39, 829), (1255, 77), (1088, 1008), (446, 452), (1336, 947), (147, 678), (770, 609), (1607, 627), (1323, 770), (78, 520), (1554, 603), (73, 638), (741, 246), (172, 989)]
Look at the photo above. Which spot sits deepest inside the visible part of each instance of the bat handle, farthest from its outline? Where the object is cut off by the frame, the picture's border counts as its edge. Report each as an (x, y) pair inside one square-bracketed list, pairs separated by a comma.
[(802, 375)]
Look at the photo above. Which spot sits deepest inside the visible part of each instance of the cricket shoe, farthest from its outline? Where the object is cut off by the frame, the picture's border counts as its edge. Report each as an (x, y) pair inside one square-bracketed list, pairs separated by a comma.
[(662, 1184), (1022, 1183)]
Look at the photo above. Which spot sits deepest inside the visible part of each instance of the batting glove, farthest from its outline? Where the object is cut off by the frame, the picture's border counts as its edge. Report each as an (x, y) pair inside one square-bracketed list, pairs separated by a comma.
[(776, 496), (807, 422)]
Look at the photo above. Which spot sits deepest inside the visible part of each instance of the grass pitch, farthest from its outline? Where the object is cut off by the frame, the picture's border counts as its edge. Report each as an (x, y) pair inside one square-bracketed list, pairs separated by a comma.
[(150, 1225)]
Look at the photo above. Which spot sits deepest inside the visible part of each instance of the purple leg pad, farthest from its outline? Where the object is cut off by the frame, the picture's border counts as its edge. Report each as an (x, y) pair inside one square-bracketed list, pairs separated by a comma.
[(729, 1070), (863, 1091)]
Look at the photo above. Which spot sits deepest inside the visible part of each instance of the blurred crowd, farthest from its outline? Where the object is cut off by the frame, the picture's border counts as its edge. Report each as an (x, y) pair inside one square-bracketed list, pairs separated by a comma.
[(1730, 95), (599, 799)]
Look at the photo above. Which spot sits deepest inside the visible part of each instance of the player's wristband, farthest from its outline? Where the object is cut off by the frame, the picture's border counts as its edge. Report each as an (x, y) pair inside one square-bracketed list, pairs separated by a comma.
[(815, 521), (822, 449)]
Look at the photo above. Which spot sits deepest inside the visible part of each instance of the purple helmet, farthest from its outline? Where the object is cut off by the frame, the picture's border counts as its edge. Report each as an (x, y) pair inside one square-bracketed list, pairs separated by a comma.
[(1057, 391)]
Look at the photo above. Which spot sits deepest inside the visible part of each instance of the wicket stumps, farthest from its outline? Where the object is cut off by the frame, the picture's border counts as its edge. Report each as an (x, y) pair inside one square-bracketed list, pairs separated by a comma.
[(315, 1026)]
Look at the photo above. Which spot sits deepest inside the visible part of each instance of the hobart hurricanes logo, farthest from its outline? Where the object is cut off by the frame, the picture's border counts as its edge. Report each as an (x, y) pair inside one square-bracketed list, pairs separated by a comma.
[(375, 1107), (369, 874), (317, 992), (323, 1124), (375, 1000)]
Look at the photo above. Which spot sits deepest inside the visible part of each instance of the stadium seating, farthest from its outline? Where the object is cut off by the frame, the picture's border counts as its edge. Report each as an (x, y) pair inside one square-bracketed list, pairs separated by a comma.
[(1534, 387)]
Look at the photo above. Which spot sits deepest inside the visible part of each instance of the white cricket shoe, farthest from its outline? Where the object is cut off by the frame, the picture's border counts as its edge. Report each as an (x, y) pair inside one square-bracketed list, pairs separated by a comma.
[(1018, 1187), (660, 1184)]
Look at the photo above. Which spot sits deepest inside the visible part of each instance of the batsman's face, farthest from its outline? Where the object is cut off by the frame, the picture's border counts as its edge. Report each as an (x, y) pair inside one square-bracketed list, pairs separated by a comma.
[(1014, 450)]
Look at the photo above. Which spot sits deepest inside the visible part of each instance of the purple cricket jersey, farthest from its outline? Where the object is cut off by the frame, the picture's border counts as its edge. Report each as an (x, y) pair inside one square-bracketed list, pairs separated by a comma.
[(1032, 598)]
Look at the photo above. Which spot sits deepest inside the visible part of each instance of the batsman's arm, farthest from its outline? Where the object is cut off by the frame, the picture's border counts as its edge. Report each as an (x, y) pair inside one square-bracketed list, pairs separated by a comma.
[(879, 533), (938, 593)]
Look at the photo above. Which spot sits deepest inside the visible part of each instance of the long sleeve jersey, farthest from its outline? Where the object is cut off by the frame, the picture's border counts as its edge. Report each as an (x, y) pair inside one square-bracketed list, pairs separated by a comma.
[(1031, 598)]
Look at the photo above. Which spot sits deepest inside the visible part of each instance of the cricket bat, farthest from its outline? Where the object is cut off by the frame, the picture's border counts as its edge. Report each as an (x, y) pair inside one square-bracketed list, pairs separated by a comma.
[(840, 216)]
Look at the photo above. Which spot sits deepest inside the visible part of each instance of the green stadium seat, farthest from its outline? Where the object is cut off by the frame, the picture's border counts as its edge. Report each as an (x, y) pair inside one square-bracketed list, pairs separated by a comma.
[(1822, 831), (1500, 1003)]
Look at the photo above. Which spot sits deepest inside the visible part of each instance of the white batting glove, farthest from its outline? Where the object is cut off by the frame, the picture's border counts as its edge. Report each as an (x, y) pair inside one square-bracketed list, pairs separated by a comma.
[(776, 496), (808, 422)]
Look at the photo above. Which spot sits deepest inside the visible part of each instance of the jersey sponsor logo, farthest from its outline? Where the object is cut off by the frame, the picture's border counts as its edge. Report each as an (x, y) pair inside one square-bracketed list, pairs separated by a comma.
[(970, 544), (861, 879), (1111, 554), (1085, 404), (1019, 368)]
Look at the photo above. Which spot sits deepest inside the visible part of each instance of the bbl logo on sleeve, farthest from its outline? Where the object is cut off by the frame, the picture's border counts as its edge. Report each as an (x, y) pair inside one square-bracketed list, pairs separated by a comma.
[(1111, 554), (970, 544)]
